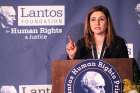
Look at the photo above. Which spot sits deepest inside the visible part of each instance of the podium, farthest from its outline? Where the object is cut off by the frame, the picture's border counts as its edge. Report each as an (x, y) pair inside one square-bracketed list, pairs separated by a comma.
[(61, 68)]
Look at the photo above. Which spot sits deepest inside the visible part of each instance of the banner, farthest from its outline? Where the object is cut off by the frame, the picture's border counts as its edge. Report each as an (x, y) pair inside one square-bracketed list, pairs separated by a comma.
[(33, 33)]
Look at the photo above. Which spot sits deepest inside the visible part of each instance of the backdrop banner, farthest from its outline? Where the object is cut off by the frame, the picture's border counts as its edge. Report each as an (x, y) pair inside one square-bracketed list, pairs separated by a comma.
[(33, 33)]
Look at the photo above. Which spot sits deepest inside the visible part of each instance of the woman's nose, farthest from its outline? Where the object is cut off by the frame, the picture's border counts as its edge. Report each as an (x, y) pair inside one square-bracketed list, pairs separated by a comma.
[(97, 22)]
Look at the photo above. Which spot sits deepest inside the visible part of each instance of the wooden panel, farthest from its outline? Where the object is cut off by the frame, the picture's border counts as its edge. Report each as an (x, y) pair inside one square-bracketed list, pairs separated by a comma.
[(60, 69)]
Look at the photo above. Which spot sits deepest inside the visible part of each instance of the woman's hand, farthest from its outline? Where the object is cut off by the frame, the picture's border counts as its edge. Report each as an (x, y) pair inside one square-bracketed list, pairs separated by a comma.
[(71, 48)]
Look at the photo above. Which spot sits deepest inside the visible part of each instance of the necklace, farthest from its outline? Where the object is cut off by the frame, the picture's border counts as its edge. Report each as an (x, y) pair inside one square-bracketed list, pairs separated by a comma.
[(100, 53)]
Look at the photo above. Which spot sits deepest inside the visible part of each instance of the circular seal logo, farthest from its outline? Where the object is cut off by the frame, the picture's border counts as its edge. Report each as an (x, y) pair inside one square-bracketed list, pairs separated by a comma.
[(8, 89), (7, 16), (93, 76)]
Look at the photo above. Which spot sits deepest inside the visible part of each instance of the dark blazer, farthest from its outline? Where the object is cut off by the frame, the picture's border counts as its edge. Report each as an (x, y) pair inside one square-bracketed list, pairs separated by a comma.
[(117, 49)]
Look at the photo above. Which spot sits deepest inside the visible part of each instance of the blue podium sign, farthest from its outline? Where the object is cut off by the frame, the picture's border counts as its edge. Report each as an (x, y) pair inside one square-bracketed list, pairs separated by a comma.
[(93, 76)]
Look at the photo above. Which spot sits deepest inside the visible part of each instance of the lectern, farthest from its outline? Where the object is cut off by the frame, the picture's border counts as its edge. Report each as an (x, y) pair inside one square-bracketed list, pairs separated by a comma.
[(60, 69)]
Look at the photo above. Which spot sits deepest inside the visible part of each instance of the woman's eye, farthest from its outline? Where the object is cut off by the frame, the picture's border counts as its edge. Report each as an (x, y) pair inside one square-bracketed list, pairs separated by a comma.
[(102, 19), (92, 19)]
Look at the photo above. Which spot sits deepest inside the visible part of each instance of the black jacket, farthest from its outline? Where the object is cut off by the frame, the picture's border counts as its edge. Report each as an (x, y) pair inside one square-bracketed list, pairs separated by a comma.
[(117, 49)]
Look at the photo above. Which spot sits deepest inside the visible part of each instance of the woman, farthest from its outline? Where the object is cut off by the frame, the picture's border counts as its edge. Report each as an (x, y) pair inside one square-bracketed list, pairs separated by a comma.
[(100, 40)]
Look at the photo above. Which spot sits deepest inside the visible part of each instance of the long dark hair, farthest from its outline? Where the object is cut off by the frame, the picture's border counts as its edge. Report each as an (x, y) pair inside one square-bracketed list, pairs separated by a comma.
[(88, 34)]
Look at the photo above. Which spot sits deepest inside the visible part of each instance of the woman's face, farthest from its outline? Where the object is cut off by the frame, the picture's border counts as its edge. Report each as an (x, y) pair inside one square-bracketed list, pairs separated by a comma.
[(98, 23)]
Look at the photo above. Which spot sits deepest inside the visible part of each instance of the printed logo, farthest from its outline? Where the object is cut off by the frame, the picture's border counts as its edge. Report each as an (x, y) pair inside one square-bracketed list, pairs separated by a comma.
[(130, 50), (137, 9), (93, 76), (41, 15), (35, 88), (32, 22), (7, 16), (8, 89)]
